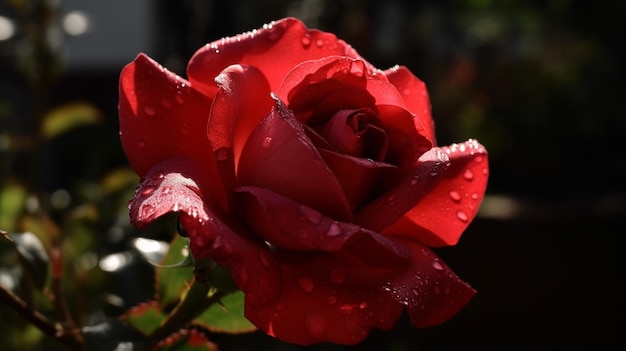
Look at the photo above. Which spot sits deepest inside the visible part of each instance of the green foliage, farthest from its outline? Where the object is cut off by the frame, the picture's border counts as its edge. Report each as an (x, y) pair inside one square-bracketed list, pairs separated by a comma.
[(146, 317), (12, 198), (174, 273), (67, 117), (227, 316), (33, 256)]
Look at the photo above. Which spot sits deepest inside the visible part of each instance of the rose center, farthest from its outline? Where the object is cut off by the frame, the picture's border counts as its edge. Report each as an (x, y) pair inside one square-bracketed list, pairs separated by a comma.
[(356, 133)]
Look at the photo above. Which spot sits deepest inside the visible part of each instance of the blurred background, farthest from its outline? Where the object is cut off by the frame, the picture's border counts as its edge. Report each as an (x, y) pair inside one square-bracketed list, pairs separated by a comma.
[(536, 82)]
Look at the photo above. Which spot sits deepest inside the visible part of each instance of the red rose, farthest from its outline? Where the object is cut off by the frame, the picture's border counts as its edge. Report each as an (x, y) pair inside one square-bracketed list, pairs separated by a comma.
[(308, 172)]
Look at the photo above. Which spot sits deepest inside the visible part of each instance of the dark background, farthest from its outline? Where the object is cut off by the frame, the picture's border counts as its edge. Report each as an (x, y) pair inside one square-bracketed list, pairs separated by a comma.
[(539, 83)]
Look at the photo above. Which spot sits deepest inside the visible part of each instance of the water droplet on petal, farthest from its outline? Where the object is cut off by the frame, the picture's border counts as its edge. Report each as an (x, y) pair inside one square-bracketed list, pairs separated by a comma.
[(222, 154), (147, 191), (310, 214), (363, 305), (455, 196), (357, 68), (462, 216), (319, 43), (267, 141), (474, 196), (265, 258), (468, 174), (415, 292), (306, 40), (334, 230), (337, 276), (437, 265), (166, 103), (147, 210), (306, 283), (149, 110)]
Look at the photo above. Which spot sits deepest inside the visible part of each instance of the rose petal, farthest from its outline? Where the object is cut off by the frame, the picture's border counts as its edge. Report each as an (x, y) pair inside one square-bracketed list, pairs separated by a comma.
[(310, 82), (442, 215), (406, 144), (292, 226), (361, 179), (324, 299), (171, 186), (280, 157), (406, 193), (161, 116), (242, 101), (274, 49), (327, 298), (415, 95), (428, 288)]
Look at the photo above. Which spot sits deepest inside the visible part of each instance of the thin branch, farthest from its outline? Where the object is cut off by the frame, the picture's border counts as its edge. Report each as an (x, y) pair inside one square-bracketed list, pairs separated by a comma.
[(60, 304), (188, 309), (38, 320)]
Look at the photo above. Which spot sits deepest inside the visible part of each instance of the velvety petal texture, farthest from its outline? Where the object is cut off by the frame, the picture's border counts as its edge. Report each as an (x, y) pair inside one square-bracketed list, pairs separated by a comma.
[(310, 174), (276, 49), (441, 216), (170, 186)]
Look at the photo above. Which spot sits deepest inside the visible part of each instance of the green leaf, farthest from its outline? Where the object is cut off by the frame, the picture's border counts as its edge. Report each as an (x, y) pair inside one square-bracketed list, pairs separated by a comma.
[(226, 317), (145, 317), (173, 280), (67, 117), (12, 199), (187, 340), (113, 335), (33, 256)]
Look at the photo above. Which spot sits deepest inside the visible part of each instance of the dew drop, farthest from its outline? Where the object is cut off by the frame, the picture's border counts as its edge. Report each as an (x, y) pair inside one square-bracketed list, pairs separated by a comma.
[(306, 283), (455, 196), (337, 276), (222, 154), (363, 305), (414, 181), (468, 174), (147, 210), (314, 217), (149, 110), (415, 292), (357, 68), (474, 196), (267, 141), (437, 265), (319, 43), (478, 159), (166, 103), (179, 99), (147, 191), (306, 40), (334, 230), (265, 258), (462, 216), (485, 171)]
